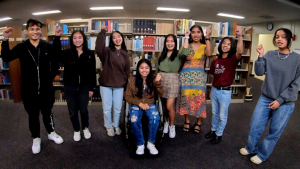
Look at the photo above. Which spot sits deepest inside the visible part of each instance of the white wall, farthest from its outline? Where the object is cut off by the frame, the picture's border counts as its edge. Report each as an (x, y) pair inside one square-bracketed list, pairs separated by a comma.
[(265, 40)]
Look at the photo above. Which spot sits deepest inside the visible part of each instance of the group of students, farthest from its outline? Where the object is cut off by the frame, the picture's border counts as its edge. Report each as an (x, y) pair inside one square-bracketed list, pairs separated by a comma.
[(180, 80)]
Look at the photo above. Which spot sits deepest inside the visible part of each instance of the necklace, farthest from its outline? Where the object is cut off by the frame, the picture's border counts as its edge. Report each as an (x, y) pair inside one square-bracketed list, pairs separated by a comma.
[(285, 56), (118, 52)]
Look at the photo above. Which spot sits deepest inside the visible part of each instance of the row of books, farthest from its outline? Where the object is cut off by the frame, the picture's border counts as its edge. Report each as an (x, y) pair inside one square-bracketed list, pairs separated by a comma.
[(3, 65), (182, 25), (6, 94), (144, 26), (58, 80), (65, 44), (110, 26), (224, 29), (148, 44), (4, 77)]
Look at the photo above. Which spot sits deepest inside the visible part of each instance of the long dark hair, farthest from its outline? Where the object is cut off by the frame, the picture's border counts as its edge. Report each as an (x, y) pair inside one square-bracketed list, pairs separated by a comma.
[(289, 36), (232, 50), (139, 79), (202, 40), (84, 45), (165, 50), (111, 43)]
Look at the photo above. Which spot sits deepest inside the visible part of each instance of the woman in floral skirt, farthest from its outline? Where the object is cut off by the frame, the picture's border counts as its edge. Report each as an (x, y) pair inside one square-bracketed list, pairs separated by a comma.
[(192, 77)]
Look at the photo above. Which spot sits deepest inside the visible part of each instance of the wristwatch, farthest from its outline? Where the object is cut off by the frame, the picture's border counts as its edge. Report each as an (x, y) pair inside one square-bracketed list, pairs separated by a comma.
[(4, 38), (207, 39)]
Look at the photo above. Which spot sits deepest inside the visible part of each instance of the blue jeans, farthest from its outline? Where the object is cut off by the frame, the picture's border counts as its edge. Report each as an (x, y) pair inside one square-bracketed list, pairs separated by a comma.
[(78, 99), (260, 118), (136, 115), (111, 97), (220, 100)]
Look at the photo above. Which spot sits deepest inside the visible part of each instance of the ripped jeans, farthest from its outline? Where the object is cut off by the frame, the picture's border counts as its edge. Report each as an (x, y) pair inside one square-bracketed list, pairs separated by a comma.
[(136, 115)]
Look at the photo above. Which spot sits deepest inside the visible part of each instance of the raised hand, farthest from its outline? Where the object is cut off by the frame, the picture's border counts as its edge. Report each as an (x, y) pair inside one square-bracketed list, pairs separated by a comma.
[(260, 50), (104, 27), (238, 31), (187, 33), (158, 77), (7, 32), (208, 32), (58, 32)]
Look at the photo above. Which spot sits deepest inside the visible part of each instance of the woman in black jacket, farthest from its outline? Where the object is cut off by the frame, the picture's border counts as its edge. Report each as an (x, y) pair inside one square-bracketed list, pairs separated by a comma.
[(38, 69), (79, 80)]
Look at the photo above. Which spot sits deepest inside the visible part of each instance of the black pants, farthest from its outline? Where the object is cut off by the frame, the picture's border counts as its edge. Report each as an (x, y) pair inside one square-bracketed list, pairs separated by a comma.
[(78, 99), (35, 105)]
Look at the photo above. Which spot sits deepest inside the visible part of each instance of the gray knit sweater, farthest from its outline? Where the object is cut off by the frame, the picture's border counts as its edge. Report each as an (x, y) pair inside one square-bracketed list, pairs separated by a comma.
[(282, 80)]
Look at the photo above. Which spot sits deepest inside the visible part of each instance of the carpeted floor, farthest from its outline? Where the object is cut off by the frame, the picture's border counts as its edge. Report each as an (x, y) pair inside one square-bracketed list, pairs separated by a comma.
[(187, 150)]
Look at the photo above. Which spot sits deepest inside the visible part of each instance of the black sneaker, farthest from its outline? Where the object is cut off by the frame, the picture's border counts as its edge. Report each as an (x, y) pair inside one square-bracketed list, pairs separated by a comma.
[(210, 134)]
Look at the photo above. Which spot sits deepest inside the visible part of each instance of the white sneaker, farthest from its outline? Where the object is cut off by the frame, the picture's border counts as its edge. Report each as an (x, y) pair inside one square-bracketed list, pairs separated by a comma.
[(118, 131), (256, 160), (140, 150), (110, 132), (172, 132), (244, 151), (87, 134), (151, 148), (166, 127), (55, 137), (36, 146), (77, 136)]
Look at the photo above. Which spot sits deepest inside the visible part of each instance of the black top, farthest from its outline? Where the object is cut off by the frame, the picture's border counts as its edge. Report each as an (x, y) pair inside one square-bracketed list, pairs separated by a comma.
[(78, 70), (38, 66)]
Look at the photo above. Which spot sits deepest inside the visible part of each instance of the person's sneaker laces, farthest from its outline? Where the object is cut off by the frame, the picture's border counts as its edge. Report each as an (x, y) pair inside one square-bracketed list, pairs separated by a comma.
[(110, 132), (256, 160), (166, 127), (118, 131), (140, 150), (172, 132), (36, 145), (55, 137), (87, 134), (151, 148), (77, 136), (244, 151)]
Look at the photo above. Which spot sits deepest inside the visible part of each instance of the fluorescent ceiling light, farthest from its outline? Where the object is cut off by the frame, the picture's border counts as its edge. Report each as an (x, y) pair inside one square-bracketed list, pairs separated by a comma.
[(6, 18), (107, 8), (230, 15), (291, 3), (25, 24), (172, 9), (69, 19), (46, 12)]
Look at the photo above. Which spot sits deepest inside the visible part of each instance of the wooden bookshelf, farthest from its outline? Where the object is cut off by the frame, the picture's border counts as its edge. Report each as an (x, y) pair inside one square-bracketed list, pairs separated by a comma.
[(14, 67)]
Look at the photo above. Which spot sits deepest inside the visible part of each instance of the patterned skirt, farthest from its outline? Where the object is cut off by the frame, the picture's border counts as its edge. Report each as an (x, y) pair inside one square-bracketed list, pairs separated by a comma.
[(170, 83), (191, 99)]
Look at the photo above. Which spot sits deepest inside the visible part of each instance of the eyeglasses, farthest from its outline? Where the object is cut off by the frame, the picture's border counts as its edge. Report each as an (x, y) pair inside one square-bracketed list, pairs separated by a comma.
[(35, 23)]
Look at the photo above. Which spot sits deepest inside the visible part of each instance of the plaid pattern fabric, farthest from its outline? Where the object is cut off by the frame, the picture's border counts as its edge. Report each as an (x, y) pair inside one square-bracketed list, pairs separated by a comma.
[(170, 83)]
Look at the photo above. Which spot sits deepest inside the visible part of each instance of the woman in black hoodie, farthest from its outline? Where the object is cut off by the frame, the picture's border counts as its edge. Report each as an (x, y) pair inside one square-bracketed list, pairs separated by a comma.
[(79, 80)]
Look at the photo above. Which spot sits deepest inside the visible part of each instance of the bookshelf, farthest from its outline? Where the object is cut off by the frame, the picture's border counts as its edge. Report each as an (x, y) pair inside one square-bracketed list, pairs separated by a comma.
[(144, 38), (12, 88)]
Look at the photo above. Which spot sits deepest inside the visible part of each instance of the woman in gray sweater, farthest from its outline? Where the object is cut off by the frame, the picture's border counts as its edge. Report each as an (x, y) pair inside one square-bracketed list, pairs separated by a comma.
[(279, 93)]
